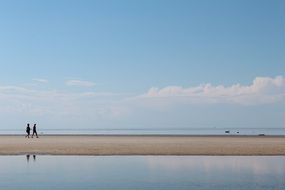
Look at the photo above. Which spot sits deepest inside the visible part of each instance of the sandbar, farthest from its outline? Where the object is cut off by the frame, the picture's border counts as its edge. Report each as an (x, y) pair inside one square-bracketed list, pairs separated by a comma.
[(141, 145)]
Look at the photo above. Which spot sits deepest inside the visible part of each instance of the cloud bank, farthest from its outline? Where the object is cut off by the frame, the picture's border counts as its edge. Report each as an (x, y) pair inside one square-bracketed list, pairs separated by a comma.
[(263, 90), (15, 99)]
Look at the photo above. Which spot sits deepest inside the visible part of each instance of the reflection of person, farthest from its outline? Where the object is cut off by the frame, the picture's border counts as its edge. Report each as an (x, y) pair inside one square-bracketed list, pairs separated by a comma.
[(28, 129), (35, 131), (28, 157)]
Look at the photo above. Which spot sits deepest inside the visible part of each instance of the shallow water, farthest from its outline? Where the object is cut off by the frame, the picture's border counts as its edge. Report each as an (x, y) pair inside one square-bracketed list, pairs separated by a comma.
[(142, 172)]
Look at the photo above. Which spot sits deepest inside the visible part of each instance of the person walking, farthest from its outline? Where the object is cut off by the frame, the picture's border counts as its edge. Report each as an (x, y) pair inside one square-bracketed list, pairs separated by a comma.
[(28, 129), (35, 131)]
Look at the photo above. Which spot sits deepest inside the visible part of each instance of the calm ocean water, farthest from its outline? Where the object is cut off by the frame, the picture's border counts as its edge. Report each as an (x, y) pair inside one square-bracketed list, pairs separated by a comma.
[(142, 172), (193, 131)]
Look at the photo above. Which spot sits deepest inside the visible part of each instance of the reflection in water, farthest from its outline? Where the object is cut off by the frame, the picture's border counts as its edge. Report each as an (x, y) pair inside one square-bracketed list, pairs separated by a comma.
[(144, 172), (28, 157), (258, 164)]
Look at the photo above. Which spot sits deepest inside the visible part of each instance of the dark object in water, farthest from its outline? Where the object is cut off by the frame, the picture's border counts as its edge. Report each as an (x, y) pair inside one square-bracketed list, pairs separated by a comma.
[(238, 132), (227, 131), (261, 134)]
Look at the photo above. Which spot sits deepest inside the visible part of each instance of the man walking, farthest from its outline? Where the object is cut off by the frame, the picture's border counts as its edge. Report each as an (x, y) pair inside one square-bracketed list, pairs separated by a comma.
[(35, 131), (28, 129)]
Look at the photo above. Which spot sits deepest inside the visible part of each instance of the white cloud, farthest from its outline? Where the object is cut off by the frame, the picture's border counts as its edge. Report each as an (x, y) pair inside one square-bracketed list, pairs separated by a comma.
[(262, 90), (40, 80), (80, 83)]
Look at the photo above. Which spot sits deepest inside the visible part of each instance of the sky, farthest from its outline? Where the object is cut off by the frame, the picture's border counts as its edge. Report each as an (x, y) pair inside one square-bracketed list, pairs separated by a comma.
[(155, 64)]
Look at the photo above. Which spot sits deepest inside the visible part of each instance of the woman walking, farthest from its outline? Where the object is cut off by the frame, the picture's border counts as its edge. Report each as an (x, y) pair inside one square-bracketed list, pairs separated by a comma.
[(35, 131)]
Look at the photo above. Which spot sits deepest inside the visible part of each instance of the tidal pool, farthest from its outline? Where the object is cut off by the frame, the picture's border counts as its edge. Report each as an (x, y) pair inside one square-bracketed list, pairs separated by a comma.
[(142, 172)]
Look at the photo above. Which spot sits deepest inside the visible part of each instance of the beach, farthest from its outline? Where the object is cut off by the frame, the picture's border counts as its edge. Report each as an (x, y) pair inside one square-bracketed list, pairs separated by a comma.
[(142, 145)]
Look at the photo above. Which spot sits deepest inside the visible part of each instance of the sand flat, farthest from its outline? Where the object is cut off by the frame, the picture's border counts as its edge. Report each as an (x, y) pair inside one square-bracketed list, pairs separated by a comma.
[(142, 145)]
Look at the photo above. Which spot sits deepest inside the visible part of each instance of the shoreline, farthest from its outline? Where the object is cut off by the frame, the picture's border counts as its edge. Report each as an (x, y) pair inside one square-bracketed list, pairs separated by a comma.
[(115, 145), (141, 135)]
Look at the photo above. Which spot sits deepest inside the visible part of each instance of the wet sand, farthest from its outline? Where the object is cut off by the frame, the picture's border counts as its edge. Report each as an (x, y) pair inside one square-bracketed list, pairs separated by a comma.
[(142, 145)]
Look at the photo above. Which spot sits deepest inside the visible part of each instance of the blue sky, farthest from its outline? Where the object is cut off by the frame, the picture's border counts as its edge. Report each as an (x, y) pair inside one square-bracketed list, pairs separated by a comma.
[(103, 58)]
